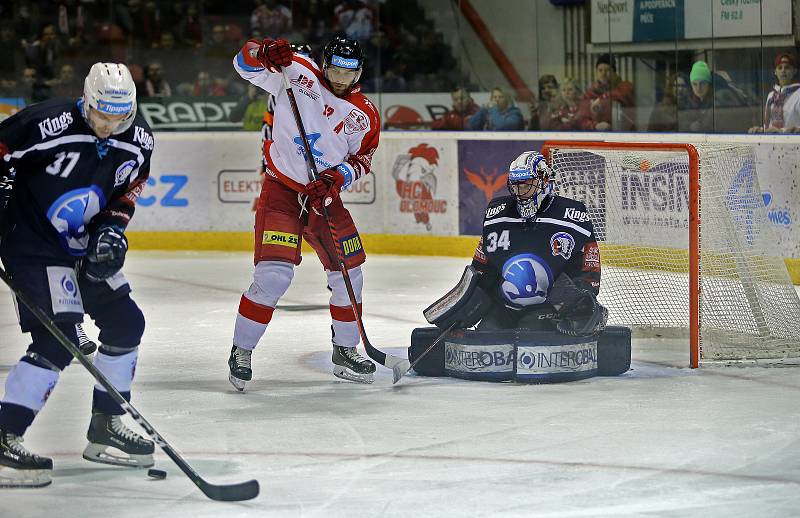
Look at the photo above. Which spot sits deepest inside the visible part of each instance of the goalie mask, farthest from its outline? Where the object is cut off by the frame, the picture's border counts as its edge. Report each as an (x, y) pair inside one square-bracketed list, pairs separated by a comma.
[(109, 99), (530, 180)]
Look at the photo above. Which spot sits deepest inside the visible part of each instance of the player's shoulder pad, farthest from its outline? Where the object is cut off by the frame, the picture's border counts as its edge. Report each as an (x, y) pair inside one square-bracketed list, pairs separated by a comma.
[(368, 107), (569, 209), (53, 116), (139, 134), (502, 206)]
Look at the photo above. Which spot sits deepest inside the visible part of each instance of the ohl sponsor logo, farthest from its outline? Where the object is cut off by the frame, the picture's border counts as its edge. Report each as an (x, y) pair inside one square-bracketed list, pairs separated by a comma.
[(351, 245), (414, 174), (271, 237)]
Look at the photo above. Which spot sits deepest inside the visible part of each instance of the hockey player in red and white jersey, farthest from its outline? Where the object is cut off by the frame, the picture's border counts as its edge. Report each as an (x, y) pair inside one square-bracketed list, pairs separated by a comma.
[(343, 128)]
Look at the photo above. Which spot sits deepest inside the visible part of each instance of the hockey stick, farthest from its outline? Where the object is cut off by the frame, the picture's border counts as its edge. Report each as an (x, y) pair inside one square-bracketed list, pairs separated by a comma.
[(397, 370), (385, 359), (226, 493)]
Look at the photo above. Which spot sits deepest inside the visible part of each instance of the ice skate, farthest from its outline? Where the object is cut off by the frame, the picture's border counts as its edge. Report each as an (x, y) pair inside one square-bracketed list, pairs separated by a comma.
[(108, 431), (19, 467), (240, 370), (349, 365), (86, 345)]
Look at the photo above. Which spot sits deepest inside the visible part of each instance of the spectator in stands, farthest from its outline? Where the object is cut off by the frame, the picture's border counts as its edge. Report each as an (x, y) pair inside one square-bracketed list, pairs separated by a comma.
[(34, 88), (13, 61), (463, 108), (567, 114), (782, 110), (44, 53), (664, 116), (355, 18), (499, 114), (544, 111), (140, 22), (154, 83), (190, 28), (66, 84), (606, 98), (716, 104), (272, 19), (205, 86), (250, 109)]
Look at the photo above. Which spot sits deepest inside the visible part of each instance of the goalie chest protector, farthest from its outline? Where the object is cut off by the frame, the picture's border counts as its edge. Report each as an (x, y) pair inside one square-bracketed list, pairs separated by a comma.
[(530, 254)]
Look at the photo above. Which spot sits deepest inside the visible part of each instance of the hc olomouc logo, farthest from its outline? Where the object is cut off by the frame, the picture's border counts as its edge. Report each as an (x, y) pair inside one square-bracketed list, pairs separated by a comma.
[(55, 126)]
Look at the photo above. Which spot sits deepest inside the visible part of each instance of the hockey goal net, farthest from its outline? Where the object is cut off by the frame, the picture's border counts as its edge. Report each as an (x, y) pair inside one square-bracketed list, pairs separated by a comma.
[(685, 243)]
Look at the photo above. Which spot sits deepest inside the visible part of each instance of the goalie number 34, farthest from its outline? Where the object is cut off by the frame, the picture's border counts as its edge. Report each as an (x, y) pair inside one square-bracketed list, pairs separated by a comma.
[(493, 241)]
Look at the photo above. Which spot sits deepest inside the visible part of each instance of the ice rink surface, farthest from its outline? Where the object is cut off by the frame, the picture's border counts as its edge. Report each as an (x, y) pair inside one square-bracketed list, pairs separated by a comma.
[(662, 440)]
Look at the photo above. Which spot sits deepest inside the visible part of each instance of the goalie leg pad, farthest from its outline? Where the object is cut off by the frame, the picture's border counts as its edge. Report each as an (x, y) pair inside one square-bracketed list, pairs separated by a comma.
[(521, 355), (464, 305)]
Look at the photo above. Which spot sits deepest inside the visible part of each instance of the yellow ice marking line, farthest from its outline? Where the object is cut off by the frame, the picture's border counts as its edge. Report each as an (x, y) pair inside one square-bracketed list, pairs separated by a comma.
[(400, 244)]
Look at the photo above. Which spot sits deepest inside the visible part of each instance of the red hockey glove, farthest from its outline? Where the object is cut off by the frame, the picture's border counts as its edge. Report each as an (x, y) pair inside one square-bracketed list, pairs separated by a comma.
[(325, 189), (274, 54)]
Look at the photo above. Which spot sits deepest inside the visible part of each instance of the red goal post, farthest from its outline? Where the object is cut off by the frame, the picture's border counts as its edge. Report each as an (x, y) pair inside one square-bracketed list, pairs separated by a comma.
[(721, 265)]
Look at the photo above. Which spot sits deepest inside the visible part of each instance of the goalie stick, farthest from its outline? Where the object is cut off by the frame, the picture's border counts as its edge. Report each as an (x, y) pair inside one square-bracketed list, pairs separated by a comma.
[(398, 371), (225, 493), (385, 359)]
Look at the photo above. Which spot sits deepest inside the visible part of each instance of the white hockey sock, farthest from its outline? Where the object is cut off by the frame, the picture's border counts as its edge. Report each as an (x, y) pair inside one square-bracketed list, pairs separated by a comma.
[(271, 279), (118, 369), (345, 329), (29, 385)]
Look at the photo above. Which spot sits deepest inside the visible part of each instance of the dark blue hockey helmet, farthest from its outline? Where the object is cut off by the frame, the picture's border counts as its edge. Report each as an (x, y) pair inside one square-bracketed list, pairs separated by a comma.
[(342, 62)]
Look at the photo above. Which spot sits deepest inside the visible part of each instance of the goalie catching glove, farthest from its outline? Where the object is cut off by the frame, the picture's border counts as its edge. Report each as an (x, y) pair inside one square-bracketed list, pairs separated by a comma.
[(582, 317), (105, 254), (465, 305)]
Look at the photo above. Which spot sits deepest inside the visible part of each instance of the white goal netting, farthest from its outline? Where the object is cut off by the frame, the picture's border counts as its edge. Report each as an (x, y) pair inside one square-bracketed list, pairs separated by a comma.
[(639, 201)]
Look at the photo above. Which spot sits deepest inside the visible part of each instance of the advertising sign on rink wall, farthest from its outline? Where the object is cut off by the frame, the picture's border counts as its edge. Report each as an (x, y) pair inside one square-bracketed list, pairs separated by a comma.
[(778, 167), (422, 193), (482, 172), (436, 184)]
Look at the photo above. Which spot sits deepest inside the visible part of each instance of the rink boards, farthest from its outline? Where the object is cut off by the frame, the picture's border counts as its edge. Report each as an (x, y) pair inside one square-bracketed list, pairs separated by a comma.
[(426, 196)]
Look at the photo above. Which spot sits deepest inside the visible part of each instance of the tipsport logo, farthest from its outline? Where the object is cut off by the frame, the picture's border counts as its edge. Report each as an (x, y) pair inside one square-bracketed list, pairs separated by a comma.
[(114, 108)]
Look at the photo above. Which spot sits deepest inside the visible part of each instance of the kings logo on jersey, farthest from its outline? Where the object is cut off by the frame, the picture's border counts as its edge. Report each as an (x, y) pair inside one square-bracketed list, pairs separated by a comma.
[(55, 126), (415, 182), (526, 280), (70, 213)]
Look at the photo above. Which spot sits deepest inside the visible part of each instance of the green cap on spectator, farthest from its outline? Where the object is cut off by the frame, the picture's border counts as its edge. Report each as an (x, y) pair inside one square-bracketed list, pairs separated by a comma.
[(700, 72)]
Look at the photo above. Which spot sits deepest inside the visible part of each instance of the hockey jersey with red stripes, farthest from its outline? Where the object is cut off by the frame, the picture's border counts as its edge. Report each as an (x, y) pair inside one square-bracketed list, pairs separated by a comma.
[(343, 132)]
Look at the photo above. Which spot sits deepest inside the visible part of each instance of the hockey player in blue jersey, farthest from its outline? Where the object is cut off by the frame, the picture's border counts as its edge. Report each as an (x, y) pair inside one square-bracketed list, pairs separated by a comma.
[(70, 174), (537, 264)]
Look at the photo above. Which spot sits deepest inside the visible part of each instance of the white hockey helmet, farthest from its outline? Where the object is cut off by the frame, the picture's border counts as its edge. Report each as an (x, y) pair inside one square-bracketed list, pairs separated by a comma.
[(109, 88), (530, 180)]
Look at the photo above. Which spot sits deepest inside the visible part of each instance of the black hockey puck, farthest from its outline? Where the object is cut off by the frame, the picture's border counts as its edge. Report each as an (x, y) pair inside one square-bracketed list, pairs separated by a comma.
[(157, 473)]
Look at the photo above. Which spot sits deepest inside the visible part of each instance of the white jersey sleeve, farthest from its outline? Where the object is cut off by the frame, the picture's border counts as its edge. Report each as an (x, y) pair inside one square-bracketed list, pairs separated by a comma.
[(343, 132)]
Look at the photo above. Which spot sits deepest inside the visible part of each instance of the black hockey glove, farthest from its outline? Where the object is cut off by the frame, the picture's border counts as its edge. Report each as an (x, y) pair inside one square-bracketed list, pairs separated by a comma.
[(582, 317), (105, 254)]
